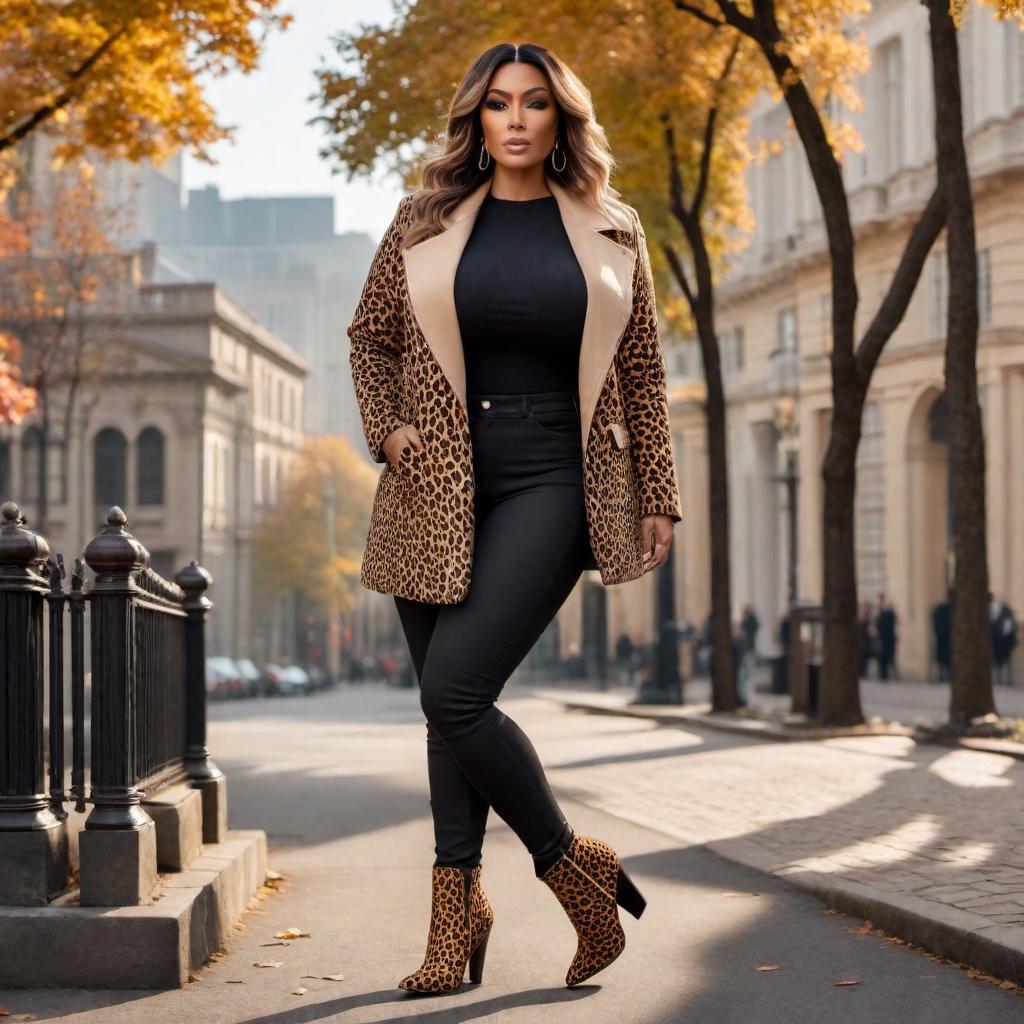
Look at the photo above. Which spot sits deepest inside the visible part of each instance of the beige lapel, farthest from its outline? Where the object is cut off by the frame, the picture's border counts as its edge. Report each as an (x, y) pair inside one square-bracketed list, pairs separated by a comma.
[(607, 267)]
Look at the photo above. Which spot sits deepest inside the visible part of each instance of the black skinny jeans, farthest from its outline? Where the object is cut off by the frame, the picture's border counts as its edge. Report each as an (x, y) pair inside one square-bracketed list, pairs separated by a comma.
[(531, 543)]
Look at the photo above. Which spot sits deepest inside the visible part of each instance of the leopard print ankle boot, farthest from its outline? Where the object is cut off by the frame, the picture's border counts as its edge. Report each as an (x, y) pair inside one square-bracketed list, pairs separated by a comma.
[(591, 884), (460, 925)]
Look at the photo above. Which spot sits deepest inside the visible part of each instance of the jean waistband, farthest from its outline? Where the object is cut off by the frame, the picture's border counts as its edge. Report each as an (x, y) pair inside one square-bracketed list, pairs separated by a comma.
[(489, 404)]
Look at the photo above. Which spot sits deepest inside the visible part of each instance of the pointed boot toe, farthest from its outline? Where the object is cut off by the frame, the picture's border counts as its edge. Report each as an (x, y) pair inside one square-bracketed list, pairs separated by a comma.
[(591, 884), (460, 924)]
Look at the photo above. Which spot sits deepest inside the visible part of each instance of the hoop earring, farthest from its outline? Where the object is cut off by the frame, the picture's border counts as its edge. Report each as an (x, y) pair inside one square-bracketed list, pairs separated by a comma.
[(565, 159), (480, 161)]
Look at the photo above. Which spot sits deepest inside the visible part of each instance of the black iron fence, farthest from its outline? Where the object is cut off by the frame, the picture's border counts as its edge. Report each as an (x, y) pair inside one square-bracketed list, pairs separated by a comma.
[(146, 650)]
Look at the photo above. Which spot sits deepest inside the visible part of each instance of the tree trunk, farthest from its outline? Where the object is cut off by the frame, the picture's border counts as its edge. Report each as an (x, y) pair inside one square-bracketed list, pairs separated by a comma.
[(839, 697), (971, 691), (724, 696)]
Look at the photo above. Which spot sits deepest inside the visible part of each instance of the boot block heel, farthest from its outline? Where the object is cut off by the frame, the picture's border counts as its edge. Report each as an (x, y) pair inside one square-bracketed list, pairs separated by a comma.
[(476, 961), (627, 895)]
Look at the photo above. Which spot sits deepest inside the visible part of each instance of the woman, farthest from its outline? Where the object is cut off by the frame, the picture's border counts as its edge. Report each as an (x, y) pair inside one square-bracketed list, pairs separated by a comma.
[(507, 365)]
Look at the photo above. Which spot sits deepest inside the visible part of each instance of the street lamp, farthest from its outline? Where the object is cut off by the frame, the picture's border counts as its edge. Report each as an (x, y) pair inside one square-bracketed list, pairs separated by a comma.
[(789, 446)]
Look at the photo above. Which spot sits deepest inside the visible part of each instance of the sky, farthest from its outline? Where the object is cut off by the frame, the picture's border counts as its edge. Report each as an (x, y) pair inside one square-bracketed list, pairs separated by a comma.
[(275, 151)]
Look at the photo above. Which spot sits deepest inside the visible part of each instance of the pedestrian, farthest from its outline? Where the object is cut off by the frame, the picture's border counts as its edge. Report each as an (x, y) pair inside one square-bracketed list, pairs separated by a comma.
[(865, 639), (943, 637), (885, 631), (507, 363), (624, 658), (1003, 633), (740, 647), (750, 626)]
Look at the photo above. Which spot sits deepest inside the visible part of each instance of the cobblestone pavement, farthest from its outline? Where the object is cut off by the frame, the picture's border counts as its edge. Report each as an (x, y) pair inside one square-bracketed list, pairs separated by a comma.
[(918, 822)]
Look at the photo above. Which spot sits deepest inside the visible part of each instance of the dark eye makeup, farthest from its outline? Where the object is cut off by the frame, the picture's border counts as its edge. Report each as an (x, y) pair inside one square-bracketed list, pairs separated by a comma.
[(493, 104)]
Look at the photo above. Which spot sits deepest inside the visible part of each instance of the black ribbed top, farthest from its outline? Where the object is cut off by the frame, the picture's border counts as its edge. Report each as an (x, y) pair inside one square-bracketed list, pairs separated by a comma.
[(521, 299)]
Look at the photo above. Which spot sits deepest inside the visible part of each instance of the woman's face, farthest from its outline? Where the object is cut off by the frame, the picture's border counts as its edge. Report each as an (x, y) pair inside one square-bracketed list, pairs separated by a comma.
[(519, 105)]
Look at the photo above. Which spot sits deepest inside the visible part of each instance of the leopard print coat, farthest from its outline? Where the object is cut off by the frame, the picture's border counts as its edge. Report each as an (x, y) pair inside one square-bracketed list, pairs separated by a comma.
[(407, 368)]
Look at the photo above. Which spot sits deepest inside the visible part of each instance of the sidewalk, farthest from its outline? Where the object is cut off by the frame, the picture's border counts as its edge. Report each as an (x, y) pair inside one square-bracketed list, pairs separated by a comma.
[(339, 783), (926, 842)]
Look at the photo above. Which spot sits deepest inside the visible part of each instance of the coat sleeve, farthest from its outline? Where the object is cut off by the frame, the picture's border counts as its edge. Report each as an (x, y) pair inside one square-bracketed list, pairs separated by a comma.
[(377, 334), (641, 370)]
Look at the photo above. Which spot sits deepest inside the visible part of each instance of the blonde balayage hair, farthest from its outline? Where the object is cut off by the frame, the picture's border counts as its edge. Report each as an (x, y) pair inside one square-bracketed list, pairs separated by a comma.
[(455, 172)]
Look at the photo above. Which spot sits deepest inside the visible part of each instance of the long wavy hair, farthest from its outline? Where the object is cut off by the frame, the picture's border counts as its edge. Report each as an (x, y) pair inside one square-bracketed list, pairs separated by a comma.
[(455, 172)]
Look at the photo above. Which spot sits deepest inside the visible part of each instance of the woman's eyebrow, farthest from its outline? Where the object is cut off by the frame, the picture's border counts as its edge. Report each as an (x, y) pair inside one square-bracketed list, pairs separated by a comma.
[(536, 88)]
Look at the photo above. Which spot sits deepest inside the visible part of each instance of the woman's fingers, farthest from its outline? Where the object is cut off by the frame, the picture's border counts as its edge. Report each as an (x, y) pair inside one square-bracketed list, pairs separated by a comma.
[(656, 539)]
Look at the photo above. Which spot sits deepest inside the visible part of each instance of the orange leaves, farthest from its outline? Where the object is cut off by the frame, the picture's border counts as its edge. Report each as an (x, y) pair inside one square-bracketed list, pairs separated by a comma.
[(123, 77), (322, 509), (16, 401)]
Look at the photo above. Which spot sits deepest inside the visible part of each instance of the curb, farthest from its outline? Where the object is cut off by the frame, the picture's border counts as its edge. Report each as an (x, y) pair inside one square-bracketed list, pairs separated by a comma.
[(673, 715), (155, 945), (957, 935)]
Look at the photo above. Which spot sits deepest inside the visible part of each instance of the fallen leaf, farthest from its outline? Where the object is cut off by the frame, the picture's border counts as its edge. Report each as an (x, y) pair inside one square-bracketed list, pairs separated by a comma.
[(292, 933), (268, 963), (848, 981), (300, 991), (235, 981), (1008, 984), (275, 943), (334, 977), (273, 876), (767, 967)]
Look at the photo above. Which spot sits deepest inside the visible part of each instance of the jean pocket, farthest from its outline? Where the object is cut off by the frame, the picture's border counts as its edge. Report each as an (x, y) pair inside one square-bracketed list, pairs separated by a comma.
[(557, 422)]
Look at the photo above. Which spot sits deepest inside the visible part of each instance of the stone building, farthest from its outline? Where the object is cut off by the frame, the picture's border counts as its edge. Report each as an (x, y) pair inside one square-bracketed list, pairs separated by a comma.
[(773, 317), (189, 425)]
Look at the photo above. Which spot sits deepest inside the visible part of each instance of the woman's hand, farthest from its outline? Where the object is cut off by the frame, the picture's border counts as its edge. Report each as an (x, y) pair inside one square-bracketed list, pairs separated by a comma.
[(655, 539), (396, 442)]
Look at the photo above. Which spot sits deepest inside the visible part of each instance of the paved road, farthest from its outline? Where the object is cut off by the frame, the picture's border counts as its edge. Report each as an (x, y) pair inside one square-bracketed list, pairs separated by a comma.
[(338, 781)]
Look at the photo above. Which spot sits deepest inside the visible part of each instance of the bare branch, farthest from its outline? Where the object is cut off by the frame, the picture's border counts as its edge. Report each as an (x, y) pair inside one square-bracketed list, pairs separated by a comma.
[(709, 133), (680, 272), (710, 19), (735, 17), (45, 112), (901, 288)]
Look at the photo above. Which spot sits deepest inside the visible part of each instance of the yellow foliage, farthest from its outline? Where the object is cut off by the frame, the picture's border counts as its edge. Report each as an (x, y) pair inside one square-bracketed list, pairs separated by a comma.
[(648, 66), (325, 503), (123, 76)]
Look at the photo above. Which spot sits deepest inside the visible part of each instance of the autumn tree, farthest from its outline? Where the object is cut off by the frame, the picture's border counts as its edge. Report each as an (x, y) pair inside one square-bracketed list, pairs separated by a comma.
[(971, 694), (788, 37), (62, 282), (671, 97), (123, 76), (311, 540), (16, 400)]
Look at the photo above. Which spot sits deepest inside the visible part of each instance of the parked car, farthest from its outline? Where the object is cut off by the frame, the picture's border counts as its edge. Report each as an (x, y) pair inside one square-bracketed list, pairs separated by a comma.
[(253, 677), (297, 680), (288, 680), (223, 678)]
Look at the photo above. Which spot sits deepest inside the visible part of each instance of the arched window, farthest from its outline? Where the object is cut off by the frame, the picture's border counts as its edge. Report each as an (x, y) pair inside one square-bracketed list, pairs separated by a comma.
[(31, 443), (150, 465), (109, 469), (938, 420)]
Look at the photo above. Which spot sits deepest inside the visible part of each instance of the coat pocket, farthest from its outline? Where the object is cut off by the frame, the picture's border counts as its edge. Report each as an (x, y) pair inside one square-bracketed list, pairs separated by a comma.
[(619, 435)]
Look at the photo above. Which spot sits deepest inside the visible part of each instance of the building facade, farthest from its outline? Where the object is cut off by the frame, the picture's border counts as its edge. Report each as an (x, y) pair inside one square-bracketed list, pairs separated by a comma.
[(189, 423), (774, 325)]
